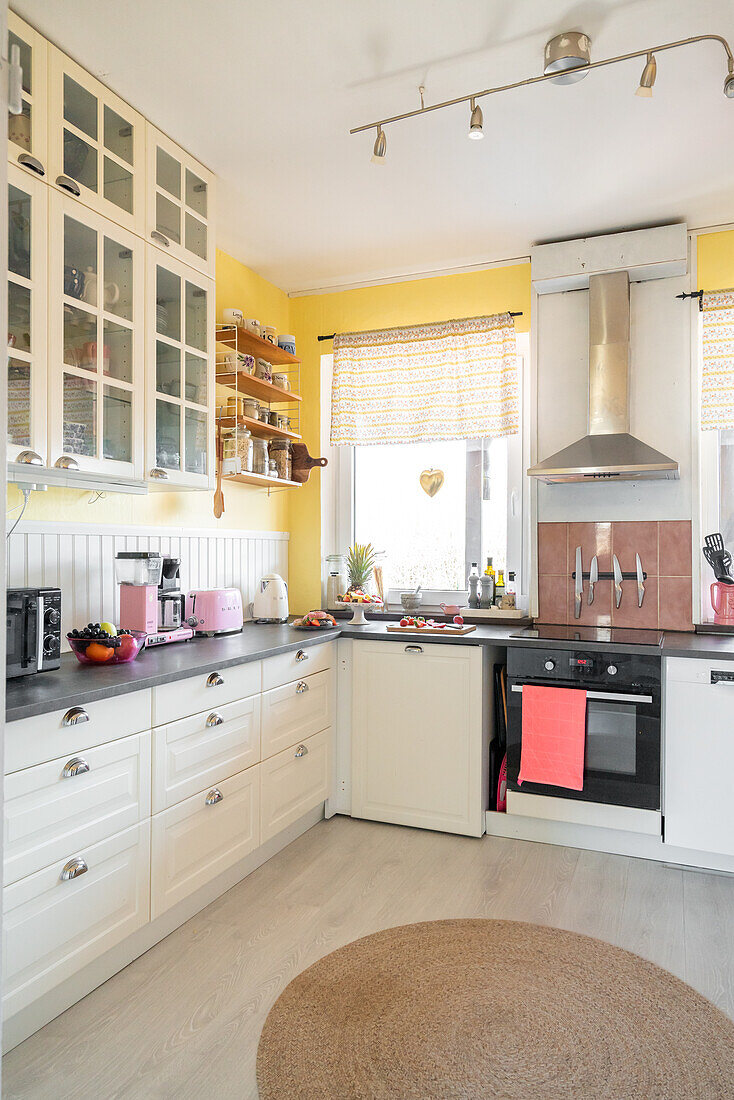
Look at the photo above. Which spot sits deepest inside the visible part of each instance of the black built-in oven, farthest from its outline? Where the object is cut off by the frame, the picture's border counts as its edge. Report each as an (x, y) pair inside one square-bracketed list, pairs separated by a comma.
[(622, 747)]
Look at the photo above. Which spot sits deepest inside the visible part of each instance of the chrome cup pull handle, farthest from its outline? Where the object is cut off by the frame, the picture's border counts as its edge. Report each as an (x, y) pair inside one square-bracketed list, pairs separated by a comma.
[(76, 766), (158, 236), (214, 680), (68, 184), (300, 751), (31, 162), (301, 686), (214, 796), (414, 649), (74, 868), (74, 717), (214, 719), (301, 656)]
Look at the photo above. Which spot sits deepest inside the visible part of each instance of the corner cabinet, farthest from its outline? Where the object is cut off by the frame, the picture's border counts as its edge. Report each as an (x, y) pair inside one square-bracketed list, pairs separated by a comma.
[(180, 374), (419, 744), (180, 204), (27, 132), (96, 341), (96, 144)]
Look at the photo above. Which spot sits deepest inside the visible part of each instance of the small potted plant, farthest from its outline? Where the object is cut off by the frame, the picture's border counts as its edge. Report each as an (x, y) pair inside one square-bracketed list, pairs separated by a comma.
[(360, 563)]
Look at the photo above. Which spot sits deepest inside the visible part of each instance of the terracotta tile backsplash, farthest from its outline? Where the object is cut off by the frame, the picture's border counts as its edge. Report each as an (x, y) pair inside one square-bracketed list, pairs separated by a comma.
[(665, 551)]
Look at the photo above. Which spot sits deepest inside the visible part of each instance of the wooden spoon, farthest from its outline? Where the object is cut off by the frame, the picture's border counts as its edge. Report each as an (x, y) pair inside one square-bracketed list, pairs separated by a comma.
[(218, 494)]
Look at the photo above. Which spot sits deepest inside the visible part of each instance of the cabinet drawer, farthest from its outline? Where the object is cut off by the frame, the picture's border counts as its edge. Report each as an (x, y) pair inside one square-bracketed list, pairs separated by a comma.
[(207, 691), (73, 802), (198, 839), (64, 732), (196, 752), (295, 711), (293, 782), (53, 927), (296, 665)]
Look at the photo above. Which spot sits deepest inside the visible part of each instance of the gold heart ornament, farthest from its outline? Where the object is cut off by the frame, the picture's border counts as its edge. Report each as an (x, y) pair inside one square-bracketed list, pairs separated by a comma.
[(431, 481)]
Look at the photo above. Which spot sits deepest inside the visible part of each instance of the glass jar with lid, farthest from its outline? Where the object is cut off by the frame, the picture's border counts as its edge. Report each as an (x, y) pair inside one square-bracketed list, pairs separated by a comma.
[(272, 468), (336, 579), (244, 448), (281, 450), (259, 457)]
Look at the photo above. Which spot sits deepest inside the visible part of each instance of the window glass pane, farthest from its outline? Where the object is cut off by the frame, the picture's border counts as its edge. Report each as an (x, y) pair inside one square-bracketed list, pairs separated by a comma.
[(19, 403), (168, 304), (195, 379), (80, 338), (19, 317), (80, 261), (196, 236), (26, 60), (118, 279), (118, 351), (118, 185), (20, 128), (167, 369), (80, 107), (118, 135), (493, 537), (168, 173), (195, 193), (80, 161), (80, 416), (726, 486), (168, 435), (195, 316), (117, 421), (195, 441), (168, 218), (19, 232)]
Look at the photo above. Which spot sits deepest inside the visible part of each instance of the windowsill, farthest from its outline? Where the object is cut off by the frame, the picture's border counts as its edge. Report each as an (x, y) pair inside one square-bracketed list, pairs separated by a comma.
[(390, 615), (714, 628)]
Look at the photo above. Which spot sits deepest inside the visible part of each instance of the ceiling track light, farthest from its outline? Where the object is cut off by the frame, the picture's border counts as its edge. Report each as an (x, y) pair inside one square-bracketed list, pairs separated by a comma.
[(476, 123), (567, 59), (648, 77)]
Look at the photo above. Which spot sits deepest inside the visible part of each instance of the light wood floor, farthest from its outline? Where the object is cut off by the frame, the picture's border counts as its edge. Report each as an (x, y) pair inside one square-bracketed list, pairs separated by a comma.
[(183, 1021)]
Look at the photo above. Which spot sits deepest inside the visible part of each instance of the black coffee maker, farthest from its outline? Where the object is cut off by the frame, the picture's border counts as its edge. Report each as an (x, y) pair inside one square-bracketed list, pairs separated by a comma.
[(170, 597)]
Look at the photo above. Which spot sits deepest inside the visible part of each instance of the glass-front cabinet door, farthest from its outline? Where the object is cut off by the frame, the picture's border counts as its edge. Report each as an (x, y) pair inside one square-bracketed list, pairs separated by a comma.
[(97, 342), (179, 207), (180, 374), (27, 275), (27, 131), (96, 144)]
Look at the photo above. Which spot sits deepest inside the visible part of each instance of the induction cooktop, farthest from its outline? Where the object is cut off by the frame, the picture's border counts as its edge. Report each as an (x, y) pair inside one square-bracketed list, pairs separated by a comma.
[(552, 633)]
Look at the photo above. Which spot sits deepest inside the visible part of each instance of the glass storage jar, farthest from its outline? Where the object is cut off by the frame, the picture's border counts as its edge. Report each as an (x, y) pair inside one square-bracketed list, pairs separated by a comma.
[(244, 448), (259, 457), (272, 468), (281, 451)]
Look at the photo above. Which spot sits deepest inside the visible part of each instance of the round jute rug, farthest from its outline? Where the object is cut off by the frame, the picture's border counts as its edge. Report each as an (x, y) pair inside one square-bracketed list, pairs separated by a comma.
[(463, 1009)]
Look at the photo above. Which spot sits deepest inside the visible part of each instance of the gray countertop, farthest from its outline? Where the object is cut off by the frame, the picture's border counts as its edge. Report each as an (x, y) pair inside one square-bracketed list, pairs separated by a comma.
[(75, 684)]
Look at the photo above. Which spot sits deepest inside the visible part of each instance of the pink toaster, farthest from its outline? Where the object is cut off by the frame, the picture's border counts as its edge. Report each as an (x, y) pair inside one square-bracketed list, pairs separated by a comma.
[(214, 610)]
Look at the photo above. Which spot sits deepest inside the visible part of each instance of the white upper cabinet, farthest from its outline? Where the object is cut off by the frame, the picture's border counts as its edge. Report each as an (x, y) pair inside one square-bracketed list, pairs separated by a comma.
[(180, 203), (27, 275), (96, 144), (180, 374), (27, 142), (96, 341)]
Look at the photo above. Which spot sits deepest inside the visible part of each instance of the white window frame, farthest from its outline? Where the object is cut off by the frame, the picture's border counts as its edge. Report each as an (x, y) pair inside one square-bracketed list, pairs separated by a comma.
[(337, 489)]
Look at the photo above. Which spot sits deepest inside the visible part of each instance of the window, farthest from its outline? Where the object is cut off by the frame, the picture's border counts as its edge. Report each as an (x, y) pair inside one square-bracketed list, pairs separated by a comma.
[(376, 496)]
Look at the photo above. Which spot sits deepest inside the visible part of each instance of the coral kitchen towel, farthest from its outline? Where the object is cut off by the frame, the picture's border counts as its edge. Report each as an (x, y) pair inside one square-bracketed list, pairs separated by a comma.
[(553, 736)]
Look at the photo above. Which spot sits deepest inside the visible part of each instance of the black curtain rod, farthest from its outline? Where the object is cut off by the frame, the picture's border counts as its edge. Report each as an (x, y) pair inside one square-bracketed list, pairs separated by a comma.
[(693, 294), (333, 334)]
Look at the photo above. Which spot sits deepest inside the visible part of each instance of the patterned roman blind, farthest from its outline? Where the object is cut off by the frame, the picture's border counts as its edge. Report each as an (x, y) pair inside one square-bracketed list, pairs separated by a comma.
[(453, 380), (717, 385)]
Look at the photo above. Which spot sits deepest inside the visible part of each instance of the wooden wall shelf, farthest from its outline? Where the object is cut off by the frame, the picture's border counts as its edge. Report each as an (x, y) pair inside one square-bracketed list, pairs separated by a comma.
[(257, 427), (264, 482), (255, 387), (247, 342)]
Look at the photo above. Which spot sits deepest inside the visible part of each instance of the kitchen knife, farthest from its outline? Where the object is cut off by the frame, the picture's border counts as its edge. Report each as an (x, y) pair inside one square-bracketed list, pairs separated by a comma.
[(593, 577), (617, 581), (640, 582), (579, 585)]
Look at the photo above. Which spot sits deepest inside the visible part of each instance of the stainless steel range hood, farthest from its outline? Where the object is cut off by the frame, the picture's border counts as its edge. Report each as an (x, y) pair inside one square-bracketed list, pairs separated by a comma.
[(608, 452)]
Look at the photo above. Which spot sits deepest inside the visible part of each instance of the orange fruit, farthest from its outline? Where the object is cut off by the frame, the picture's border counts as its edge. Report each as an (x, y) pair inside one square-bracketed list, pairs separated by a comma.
[(97, 652)]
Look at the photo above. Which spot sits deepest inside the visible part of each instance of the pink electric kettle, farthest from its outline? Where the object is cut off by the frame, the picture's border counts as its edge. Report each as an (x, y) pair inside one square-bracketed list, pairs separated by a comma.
[(722, 601)]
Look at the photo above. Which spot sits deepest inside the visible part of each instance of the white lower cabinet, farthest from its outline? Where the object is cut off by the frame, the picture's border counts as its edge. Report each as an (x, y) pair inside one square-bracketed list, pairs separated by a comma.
[(419, 735), (199, 838), (73, 802), (61, 918), (295, 711), (293, 782)]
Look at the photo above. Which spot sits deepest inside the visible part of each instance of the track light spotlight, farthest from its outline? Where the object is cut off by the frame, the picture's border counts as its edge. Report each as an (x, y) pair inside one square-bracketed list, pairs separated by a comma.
[(477, 122), (648, 77), (380, 147)]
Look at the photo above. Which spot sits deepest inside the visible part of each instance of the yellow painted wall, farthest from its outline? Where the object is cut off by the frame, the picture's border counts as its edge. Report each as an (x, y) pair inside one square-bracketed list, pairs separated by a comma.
[(716, 260), (246, 508), (417, 301)]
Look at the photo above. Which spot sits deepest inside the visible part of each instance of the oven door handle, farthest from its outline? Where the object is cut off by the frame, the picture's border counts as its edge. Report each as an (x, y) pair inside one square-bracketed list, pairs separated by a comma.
[(609, 696)]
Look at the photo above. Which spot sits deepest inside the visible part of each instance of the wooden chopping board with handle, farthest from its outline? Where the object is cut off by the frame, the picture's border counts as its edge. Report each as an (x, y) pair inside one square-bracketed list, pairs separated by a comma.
[(303, 463)]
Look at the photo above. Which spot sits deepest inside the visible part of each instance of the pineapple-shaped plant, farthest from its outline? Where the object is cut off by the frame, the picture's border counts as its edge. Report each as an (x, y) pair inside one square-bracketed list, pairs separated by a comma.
[(360, 563)]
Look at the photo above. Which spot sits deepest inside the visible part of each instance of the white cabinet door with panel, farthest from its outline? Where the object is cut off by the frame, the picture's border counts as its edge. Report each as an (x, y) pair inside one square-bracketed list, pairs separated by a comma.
[(199, 838), (295, 711), (59, 807), (698, 807), (293, 782), (180, 374), (61, 918), (418, 735), (180, 203), (27, 305), (27, 132), (96, 345), (204, 749), (96, 144)]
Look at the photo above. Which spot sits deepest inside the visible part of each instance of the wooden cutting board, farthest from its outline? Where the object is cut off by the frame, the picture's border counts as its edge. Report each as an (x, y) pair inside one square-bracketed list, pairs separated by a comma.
[(395, 628)]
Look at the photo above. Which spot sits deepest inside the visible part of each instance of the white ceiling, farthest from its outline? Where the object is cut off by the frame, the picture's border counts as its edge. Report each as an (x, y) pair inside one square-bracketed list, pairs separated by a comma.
[(265, 93)]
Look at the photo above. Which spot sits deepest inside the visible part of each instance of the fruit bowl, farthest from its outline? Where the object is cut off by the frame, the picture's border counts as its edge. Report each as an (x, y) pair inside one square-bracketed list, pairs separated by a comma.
[(127, 651), (315, 620)]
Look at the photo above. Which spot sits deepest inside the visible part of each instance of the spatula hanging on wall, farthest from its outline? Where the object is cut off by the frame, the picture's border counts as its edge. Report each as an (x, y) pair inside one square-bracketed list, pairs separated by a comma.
[(218, 493)]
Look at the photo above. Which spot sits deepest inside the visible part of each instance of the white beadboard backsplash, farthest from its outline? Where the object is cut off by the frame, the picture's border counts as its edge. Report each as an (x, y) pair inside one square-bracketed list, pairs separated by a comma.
[(80, 560)]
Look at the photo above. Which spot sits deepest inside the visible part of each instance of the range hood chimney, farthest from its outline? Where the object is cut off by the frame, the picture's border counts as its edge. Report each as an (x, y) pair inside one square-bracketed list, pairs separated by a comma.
[(608, 451)]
